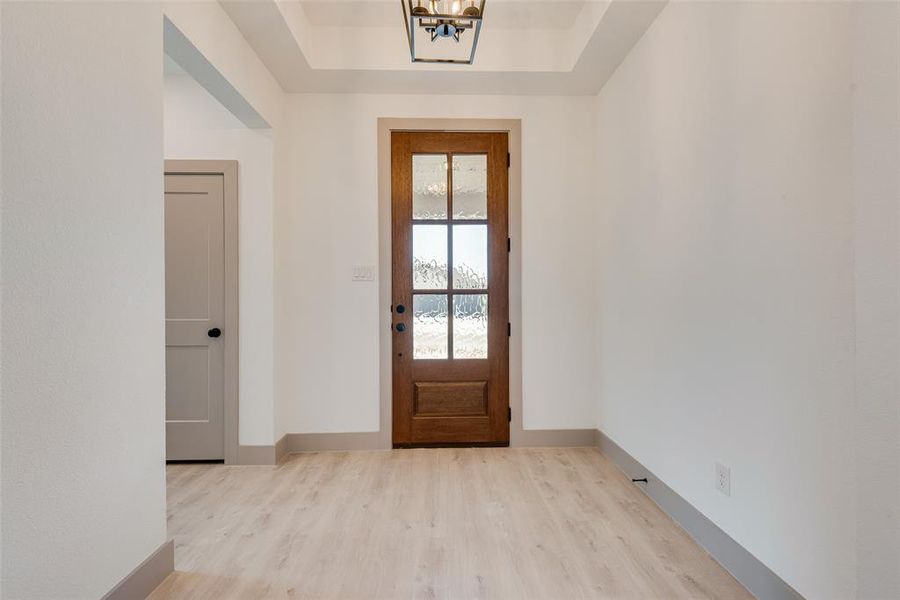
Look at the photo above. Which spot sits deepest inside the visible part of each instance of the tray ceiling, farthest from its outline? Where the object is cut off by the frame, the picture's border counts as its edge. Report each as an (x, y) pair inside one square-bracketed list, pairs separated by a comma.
[(562, 47)]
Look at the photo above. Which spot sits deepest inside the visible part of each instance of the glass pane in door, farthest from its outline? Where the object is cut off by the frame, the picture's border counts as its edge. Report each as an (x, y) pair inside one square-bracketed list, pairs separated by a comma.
[(470, 326), (429, 186), (470, 257), (470, 186), (430, 319), (429, 257)]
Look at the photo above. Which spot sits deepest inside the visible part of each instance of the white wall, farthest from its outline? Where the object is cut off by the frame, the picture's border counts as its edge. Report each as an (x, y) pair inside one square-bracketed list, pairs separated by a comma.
[(876, 181), (211, 31), (327, 221), (198, 127), (1, 304), (726, 175), (83, 480)]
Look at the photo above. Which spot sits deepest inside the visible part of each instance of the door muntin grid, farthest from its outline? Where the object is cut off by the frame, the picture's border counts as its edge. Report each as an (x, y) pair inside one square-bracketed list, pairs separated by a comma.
[(451, 256)]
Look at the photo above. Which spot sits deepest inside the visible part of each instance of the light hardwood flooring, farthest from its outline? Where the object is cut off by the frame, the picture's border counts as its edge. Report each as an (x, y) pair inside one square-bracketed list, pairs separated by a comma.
[(432, 523)]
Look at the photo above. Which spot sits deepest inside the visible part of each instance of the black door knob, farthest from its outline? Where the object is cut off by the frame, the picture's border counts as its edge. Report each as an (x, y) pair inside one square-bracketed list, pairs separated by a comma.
[(401, 309), (214, 332), (401, 327)]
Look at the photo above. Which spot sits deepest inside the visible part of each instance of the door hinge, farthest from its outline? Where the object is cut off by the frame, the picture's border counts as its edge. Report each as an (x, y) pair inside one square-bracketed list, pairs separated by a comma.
[(509, 330), (509, 414), (509, 244), (508, 160)]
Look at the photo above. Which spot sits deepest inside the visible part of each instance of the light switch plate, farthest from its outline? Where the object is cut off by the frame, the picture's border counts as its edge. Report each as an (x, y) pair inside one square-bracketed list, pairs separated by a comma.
[(363, 273)]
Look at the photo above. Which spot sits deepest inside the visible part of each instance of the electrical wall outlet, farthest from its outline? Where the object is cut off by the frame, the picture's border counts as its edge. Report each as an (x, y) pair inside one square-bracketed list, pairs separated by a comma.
[(723, 479)]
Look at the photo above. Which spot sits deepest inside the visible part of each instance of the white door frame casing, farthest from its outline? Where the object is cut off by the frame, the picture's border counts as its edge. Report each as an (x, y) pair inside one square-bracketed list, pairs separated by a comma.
[(228, 169)]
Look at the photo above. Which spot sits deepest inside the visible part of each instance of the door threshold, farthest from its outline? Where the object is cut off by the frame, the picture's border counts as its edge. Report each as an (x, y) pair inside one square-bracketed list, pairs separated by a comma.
[(453, 445)]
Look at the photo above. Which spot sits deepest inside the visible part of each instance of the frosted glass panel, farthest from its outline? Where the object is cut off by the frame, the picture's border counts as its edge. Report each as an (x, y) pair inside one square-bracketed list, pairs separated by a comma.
[(429, 186), (470, 186), (470, 257), (430, 326), (429, 257), (470, 326)]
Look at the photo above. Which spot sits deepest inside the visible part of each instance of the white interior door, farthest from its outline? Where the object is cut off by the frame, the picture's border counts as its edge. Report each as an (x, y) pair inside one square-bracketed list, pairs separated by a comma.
[(195, 311)]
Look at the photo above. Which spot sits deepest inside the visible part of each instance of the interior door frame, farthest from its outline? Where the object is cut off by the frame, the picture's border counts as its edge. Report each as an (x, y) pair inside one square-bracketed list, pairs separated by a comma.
[(387, 125), (228, 169)]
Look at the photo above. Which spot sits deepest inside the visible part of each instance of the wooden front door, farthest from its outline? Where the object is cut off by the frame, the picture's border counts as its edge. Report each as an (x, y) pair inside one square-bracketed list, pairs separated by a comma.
[(450, 288)]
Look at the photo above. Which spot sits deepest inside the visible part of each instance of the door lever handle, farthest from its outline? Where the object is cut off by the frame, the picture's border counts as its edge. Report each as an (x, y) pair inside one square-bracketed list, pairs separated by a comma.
[(214, 332)]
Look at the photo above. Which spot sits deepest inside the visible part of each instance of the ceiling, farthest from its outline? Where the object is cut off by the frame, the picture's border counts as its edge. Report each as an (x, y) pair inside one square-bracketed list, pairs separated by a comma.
[(526, 15), (558, 47)]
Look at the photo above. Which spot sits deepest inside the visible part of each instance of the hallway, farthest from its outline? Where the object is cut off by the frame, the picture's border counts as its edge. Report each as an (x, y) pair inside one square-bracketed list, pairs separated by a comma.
[(429, 523), (630, 269)]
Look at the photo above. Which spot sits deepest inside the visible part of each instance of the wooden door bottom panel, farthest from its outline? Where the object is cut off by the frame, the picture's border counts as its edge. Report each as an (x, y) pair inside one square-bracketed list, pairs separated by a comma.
[(454, 399)]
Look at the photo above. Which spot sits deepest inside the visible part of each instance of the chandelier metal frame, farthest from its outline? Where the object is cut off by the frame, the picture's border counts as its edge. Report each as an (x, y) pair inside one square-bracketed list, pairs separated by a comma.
[(442, 26)]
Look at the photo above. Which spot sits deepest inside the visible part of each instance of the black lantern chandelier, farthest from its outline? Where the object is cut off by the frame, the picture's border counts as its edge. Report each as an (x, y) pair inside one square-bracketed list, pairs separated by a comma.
[(443, 21)]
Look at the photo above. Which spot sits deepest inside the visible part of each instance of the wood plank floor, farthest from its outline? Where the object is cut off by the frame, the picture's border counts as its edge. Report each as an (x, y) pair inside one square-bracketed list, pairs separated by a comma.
[(432, 523)]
